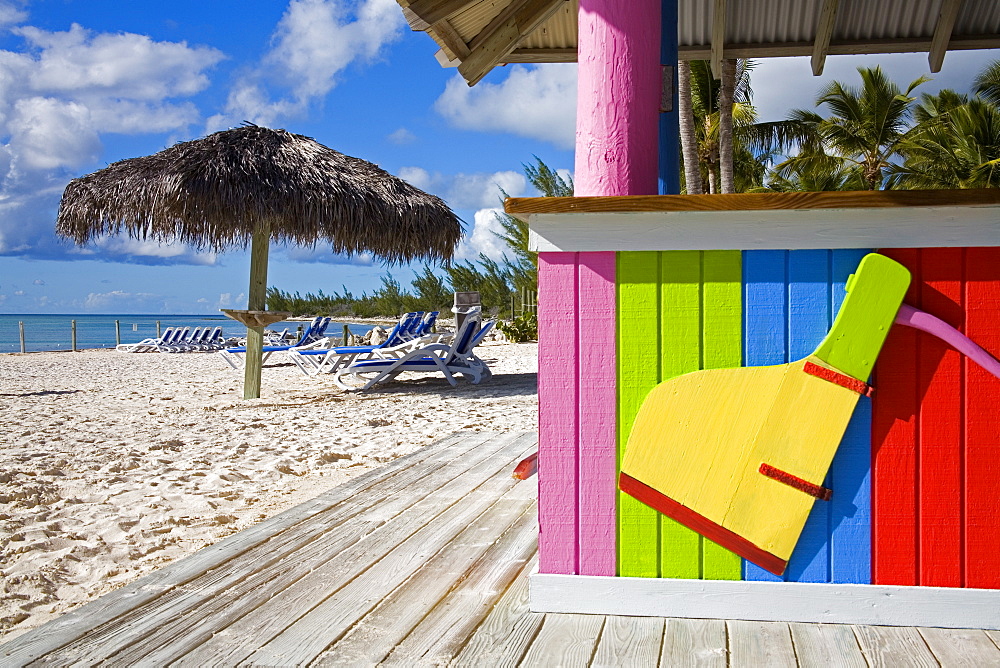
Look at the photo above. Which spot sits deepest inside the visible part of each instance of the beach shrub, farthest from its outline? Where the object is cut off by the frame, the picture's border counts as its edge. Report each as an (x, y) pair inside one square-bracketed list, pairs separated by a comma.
[(520, 329)]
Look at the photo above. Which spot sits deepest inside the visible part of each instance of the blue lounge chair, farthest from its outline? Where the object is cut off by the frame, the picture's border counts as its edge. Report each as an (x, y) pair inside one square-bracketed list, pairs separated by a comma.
[(457, 358), (314, 361), (146, 345), (313, 336)]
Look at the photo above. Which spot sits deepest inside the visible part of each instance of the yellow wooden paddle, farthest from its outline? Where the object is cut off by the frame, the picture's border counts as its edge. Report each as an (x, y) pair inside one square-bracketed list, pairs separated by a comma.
[(739, 455)]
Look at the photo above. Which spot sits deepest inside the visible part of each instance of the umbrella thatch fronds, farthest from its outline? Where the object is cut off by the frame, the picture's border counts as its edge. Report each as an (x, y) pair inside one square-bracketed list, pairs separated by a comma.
[(213, 192)]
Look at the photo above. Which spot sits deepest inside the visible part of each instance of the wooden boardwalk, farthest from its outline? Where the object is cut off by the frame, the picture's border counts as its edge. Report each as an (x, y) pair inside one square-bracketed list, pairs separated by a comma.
[(425, 562)]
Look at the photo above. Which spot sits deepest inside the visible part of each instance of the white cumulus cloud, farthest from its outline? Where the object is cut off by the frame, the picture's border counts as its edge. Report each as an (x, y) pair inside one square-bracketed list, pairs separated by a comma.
[(537, 102), (119, 300), (467, 191), (483, 237), (60, 92), (312, 45)]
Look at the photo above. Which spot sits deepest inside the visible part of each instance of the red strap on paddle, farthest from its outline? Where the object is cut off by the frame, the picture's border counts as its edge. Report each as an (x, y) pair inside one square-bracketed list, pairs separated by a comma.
[(837, 378), (821, 493)]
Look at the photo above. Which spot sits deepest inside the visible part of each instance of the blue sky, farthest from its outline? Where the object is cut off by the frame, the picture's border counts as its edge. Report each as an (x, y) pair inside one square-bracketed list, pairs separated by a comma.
[(87, 82)]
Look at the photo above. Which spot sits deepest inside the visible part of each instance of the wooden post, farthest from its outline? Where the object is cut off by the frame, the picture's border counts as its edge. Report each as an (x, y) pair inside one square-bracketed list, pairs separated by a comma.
[(346, 340), (157, 329), (118, 333), (73, 333), (618, 98), (257, 301), (20, 326)]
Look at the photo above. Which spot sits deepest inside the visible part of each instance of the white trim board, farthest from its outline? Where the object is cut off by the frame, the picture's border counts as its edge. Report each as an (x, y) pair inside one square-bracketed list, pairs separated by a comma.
[(880, 605), (876, 227)]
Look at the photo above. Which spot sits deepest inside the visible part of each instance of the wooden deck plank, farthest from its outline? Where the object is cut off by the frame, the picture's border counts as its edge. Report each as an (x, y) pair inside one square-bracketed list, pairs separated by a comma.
[(191, 614), (325, 615), (831, 645), (894, 646), (440, 636), (565, 640), (630, 641), (961, 647), (760, 644), (505, 635), (695, 642), (75, 624), (501, 533)]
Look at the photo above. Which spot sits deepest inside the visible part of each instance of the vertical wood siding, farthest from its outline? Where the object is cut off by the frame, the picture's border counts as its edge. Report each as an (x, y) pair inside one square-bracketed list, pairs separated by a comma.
[(790, 301), (936, 432), (576, 413), (678, 311)]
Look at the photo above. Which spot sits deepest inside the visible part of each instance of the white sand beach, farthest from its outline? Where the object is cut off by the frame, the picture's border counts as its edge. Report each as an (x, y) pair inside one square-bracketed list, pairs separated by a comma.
[(114, 464)]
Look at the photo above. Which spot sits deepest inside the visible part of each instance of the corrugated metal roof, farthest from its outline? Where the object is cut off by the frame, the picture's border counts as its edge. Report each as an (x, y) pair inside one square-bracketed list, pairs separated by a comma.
[(754, 28)]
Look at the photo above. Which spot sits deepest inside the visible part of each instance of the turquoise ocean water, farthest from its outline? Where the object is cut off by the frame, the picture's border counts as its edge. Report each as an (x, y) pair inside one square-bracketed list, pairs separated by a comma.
[(54, 332)]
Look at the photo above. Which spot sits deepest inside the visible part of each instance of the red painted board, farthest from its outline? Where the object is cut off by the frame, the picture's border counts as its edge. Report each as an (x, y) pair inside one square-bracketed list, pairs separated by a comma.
[(982, 422), (939, 450), (894, 451)]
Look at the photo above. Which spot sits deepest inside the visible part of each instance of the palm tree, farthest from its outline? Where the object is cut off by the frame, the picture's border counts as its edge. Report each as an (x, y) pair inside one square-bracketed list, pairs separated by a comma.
[(959, 146), (751, 141), (987, 84), (867, 128), (726, 92), (689, 139)]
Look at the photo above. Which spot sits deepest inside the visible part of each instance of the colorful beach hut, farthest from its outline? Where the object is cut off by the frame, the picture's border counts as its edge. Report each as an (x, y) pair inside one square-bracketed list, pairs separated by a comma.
[(638, 287)]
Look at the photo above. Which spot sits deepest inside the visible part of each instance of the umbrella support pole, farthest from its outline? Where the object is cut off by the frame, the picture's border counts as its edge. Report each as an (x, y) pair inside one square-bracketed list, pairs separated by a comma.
[(254, 363), (256, 301)]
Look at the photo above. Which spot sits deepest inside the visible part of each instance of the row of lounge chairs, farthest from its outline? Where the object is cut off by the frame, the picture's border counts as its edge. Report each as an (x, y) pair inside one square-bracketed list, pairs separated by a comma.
[(314, 335), (178, 340), (412, 345)]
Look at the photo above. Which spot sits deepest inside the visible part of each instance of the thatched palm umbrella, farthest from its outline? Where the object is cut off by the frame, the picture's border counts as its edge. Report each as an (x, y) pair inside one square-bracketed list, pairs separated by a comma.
[(251, 185)]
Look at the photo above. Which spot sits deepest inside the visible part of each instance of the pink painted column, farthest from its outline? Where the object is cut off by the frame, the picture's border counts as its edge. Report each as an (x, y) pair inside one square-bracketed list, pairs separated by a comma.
[(616, 154)]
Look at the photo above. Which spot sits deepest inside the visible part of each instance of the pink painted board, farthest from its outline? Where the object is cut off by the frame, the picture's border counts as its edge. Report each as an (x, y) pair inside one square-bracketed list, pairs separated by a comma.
[(558, 417), (597, 392)]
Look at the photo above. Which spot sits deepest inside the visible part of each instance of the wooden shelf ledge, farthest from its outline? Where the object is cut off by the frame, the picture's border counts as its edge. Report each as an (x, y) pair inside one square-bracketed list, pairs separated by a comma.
[(255, 319)]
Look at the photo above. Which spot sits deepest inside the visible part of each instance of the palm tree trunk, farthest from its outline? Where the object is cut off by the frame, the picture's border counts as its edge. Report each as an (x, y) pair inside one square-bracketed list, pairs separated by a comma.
[(728, 83), (689, 142)]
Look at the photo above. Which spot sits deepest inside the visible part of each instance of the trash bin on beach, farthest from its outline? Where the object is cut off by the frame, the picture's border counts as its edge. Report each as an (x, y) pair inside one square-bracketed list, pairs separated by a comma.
[(464, 302)]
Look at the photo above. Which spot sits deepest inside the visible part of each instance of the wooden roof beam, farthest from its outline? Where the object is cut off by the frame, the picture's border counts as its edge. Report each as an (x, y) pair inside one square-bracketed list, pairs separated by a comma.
[(451, 42), (942, 32), (824, 31), (503, 34), (432, 11), (718, 37)]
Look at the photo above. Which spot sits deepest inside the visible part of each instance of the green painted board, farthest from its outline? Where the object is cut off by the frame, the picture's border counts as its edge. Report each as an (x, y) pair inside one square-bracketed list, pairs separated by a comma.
[(638, 373)]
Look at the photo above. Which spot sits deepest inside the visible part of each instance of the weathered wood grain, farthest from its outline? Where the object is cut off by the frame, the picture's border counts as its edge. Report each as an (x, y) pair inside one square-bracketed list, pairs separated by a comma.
[(700, 643), (629, 641), (319, 615), (760, 644), (376, 634), (832, 645), (504, 636), (440, 636), (884, 646), (961, 647), (565, 640)]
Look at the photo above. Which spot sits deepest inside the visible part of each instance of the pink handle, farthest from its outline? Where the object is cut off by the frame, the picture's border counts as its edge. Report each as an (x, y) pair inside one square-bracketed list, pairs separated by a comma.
[(925, 322)]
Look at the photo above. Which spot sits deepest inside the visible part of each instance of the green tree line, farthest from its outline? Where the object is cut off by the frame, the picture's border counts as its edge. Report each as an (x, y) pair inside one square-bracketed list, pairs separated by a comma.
[(500, 283)]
